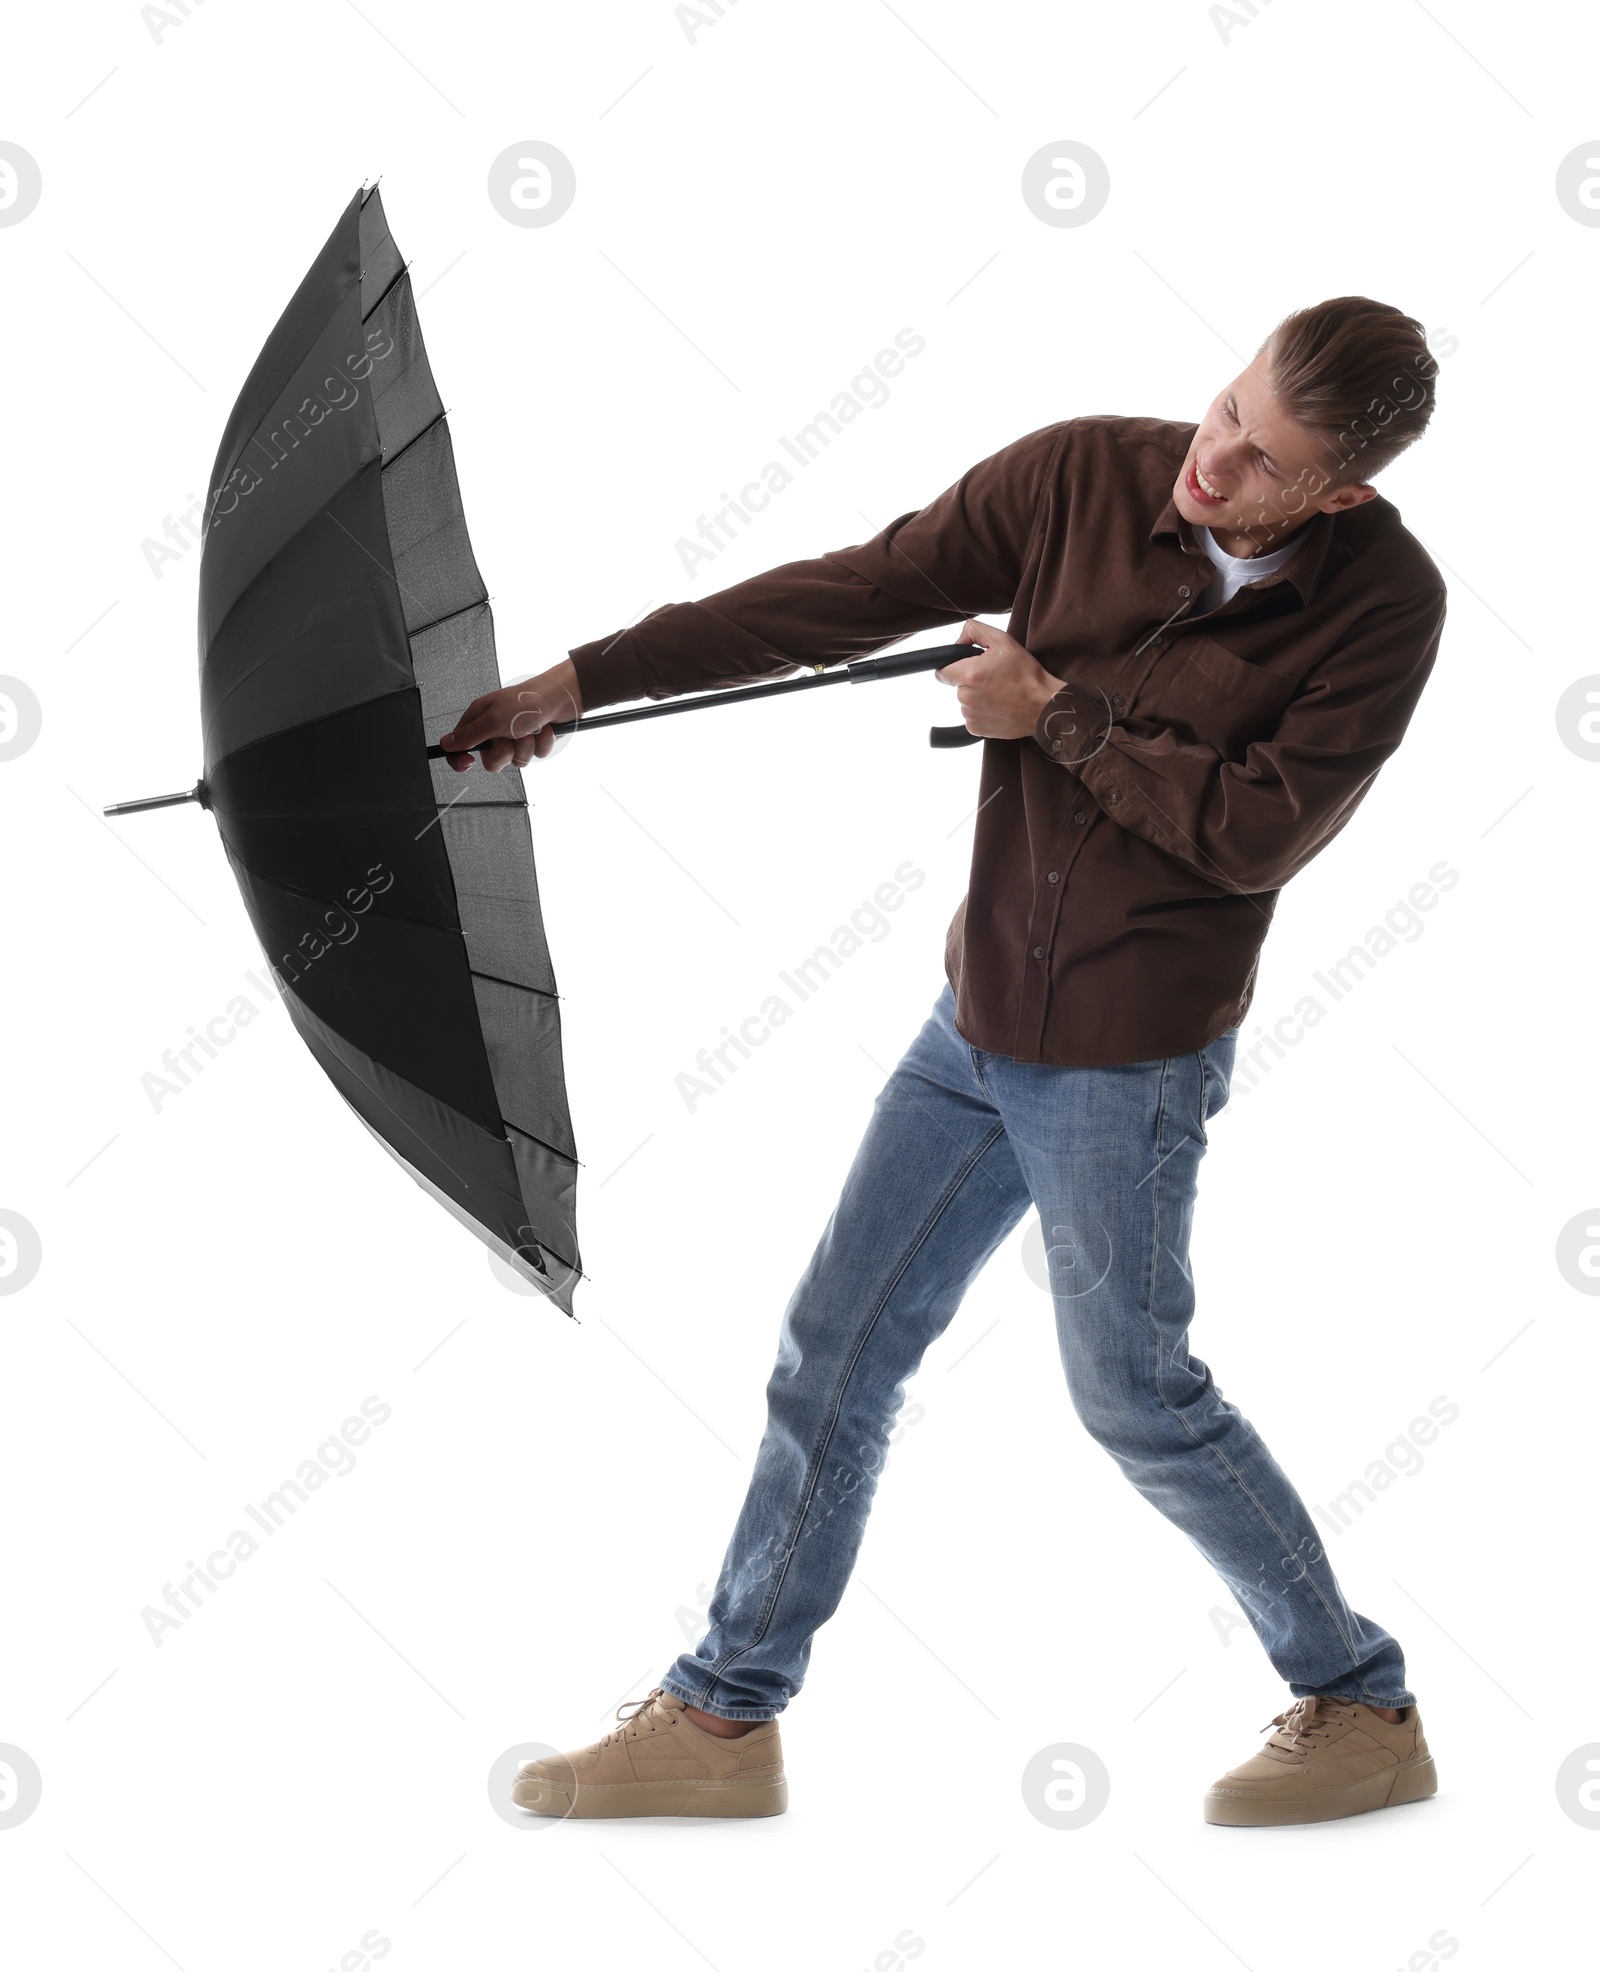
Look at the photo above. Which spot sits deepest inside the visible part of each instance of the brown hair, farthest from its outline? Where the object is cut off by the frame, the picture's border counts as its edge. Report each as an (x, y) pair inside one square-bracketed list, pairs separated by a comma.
[(1357, 373)]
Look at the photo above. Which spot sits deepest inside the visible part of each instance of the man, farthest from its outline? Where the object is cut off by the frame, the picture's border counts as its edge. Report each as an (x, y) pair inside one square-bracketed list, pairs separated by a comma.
[(1218, 634)]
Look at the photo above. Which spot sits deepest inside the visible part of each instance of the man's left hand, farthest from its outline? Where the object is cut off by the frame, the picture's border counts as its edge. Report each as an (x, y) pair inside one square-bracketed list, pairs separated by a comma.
[(1001, 692)]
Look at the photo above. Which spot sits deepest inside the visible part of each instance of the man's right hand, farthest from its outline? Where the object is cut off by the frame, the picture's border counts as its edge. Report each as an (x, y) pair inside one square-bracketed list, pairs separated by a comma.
[(510, 727)]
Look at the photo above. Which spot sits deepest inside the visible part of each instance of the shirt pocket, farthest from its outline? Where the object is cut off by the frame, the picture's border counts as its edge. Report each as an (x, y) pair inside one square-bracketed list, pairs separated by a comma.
[(1207, 694)]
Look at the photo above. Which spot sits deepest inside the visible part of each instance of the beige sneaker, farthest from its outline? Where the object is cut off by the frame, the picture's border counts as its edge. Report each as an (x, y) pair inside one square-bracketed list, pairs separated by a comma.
[(1328, 1757), (658, 1762)]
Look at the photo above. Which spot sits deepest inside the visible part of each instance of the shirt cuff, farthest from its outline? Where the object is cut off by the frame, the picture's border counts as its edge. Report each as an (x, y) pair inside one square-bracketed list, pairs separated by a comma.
[(1072, 727), (608, 671)]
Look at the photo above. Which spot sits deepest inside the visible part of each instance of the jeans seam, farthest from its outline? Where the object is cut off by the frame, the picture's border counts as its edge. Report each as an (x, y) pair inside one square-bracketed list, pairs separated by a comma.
[(819, 1458), (1365, 1697), (1222, 1458)]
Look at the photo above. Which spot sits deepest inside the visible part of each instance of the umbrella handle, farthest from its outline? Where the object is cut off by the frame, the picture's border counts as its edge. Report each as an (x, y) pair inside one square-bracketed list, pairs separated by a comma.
[(952, 736)]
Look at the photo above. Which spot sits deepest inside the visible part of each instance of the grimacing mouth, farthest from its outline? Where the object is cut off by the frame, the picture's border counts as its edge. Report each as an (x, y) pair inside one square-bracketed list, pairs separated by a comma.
[(1207, 484)]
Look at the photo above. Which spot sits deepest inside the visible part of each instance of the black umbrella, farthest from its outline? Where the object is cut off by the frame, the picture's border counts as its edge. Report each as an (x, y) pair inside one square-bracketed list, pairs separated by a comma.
[(342, 619)]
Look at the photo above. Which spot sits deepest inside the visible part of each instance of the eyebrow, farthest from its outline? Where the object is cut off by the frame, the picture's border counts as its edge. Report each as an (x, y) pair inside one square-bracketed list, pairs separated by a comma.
[(1271, 463)]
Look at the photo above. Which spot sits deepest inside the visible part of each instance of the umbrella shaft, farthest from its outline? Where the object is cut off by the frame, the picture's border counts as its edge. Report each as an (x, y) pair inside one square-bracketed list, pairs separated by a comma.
[(196, 793), (665, 706), (861, 672)]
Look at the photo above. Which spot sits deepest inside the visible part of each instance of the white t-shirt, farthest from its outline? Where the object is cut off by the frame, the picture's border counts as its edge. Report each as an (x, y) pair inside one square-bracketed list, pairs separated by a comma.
[(1233, 571)]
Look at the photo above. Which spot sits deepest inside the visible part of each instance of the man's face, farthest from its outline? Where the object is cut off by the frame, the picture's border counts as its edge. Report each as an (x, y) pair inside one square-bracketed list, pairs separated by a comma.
[(1251, 472)]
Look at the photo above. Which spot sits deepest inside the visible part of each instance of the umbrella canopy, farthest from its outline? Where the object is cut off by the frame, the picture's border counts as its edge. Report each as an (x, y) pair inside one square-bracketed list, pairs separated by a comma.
[(342, 620)]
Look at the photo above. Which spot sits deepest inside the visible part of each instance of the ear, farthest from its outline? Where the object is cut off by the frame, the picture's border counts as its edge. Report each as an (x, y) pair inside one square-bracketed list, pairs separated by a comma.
[(1345, 497)]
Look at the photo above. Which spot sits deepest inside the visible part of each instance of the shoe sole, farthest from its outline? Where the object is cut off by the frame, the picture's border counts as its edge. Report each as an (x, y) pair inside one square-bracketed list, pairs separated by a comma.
[(615, 1801), (1414, 1781)]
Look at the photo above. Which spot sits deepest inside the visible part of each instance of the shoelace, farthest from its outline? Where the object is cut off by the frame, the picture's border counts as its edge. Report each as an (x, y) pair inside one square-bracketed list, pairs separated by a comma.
[(630, 1713), (1304, 1724)]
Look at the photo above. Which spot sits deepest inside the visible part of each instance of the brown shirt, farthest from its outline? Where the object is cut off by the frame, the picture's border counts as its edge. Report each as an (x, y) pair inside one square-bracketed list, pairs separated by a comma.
[(1128, 855)]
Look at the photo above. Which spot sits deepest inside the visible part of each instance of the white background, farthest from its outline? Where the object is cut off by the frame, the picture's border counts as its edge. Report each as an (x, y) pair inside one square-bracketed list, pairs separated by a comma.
[(525, 1542)]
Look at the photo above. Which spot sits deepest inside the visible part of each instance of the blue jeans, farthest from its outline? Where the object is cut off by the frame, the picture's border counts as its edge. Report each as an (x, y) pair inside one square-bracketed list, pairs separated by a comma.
[(961, 1143)]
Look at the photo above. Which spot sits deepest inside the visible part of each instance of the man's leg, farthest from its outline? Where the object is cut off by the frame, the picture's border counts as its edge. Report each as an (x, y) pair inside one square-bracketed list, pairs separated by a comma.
[(1111, 1156), (932, 1192)]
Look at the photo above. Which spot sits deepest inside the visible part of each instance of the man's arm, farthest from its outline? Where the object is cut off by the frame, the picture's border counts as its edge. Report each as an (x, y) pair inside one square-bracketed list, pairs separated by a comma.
[(1250, 825), (961, 554)]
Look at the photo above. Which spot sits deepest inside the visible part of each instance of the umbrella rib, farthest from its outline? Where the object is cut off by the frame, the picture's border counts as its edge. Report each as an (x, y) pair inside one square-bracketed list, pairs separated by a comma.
[(517, 985), (422, 629), (368, 313), (555, 1150), (412, 440)]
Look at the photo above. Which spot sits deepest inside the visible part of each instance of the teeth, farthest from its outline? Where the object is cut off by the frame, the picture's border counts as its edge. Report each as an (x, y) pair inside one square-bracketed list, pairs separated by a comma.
[(1205, 484)]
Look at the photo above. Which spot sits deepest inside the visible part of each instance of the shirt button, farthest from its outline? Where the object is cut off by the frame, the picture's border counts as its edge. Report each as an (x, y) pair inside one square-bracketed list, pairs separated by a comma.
[(1080, 818), (1055, 746), (1038, 951), (1118, 700), (1184, 593), (1053, 877), (1115, 794)]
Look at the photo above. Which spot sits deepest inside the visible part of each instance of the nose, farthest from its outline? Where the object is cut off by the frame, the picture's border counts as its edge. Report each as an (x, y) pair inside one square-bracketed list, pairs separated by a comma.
[(1221, 462)]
